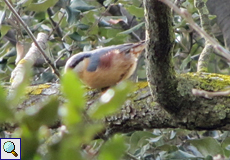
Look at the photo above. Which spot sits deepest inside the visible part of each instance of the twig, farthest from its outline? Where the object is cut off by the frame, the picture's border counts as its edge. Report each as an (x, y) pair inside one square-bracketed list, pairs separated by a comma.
[(131, 156), (18, 75), (183, 13), (209, 95), (55, 71), (55, 25), (205, 24)]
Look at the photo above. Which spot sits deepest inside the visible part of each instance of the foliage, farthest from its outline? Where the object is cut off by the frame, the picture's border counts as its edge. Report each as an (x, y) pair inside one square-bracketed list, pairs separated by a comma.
[(84, 25)]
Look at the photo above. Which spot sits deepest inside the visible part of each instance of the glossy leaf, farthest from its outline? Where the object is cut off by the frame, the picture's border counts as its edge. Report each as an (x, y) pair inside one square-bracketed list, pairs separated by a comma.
[(81, 5), (180, 155), (139, 139), (207, 146), (41, 5), (73, 15)]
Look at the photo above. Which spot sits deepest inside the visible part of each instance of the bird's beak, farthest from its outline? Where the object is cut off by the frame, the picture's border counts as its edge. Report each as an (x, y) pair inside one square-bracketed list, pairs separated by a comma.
[(138, 47)]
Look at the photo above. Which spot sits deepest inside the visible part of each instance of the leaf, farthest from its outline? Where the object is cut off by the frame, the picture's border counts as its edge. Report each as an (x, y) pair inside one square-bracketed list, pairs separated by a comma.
[(75, 36), (207, 146), (180, 155), (81, 5), (226, 147), (112, 149), (73, 15), (168, 148), (138, 139), (110, 101), (6, 112), (133, 10), (133, 28), (185, 63), (29, 144), (4, 29), (106, 3), (41, 5), (82, 26), (74, 92), (47, 115), (155, 139)]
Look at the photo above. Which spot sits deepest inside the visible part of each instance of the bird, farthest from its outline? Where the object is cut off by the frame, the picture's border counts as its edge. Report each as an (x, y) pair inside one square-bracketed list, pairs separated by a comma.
[(107, 66)]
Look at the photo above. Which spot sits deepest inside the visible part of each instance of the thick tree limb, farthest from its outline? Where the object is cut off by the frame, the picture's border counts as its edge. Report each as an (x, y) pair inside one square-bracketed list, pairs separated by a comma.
[(161, 74), (140, 111), (18, 74)]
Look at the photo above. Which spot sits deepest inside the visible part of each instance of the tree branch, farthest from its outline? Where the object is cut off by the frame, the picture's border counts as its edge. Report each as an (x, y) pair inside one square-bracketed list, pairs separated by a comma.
[(221, 51), (160, 72), (55, 71), (208, 49), (140, 111)]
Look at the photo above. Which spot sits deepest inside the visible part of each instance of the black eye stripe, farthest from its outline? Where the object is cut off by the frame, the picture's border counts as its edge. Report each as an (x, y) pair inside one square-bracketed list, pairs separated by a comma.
[(127, 52), (78, 59)]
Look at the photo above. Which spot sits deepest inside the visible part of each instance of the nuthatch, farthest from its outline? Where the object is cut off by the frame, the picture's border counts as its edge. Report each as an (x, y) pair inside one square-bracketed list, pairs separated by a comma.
[(105, 67)]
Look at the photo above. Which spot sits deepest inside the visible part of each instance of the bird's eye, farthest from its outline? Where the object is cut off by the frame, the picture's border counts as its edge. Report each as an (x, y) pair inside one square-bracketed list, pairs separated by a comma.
[(127, 52)]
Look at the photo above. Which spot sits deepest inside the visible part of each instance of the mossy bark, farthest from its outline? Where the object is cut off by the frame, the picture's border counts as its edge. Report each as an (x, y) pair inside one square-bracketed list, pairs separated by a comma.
[(160, 71), (141, 111)]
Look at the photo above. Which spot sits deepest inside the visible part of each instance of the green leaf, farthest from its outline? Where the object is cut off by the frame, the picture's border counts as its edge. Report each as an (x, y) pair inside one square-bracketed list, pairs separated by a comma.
[(4, 29), (185, 63), (118, 39), (24, 3), (107, 2), (167, 148), (110, 101), (81, 5), (29, 143), (139, 139), (41, 5), (73, 89), (75, 36), (133, 28), (133, 10), (180, 155), (73, 15), (82, 26), (47, 115), (6, 112), (74, 92), (207, 146), (113, 149), (226, 146)]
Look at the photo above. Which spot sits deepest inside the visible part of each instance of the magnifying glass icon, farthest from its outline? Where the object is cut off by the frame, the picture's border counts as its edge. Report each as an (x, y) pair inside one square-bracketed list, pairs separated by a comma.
[(9, 147)]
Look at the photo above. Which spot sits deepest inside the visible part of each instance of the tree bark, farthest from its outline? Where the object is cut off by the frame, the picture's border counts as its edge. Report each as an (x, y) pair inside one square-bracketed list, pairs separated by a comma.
[(160, 72), (140, 111)]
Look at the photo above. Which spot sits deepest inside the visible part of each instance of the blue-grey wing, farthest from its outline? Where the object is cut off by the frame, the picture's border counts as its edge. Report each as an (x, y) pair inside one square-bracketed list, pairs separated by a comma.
[(94, 61)]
